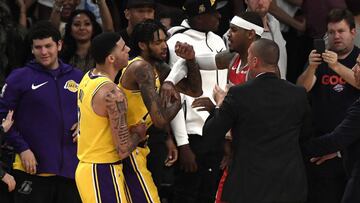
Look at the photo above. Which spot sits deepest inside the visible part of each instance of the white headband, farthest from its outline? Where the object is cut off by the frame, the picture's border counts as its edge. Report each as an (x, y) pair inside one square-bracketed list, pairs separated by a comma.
[(246, 25)]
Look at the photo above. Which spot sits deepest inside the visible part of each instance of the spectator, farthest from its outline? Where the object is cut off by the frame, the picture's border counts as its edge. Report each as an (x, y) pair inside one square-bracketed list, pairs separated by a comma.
[(81, 28), (12, 36), (332, 88), (271, 30), (43, 96), (136, 11)]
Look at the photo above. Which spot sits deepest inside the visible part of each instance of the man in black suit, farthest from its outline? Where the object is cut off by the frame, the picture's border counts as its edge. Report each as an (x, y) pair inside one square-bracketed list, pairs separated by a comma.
[(346, 137), (267, 116)]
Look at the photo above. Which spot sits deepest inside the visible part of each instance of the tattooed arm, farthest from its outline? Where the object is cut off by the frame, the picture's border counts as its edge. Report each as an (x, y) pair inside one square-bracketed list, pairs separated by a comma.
[(109, 101), (144, 77)]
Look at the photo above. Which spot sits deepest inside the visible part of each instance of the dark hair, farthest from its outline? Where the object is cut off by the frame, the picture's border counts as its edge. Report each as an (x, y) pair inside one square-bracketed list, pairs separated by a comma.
[(102, 45), (253, 17), (336, 15), (42, 30), (70, 45), (144, 32), (267, 50)]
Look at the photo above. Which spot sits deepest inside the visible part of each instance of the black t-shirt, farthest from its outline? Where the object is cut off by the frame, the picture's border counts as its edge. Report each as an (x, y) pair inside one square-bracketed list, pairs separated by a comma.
[(331, 96)]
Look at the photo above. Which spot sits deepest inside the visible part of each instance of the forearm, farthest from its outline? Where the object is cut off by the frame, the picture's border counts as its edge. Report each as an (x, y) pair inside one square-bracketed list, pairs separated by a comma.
[(307, 78), (191, 85), (107, 22), (345, 73), (22, 17)]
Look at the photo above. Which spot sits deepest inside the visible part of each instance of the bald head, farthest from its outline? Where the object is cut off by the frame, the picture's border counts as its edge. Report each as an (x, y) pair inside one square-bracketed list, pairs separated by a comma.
[(267, 51)]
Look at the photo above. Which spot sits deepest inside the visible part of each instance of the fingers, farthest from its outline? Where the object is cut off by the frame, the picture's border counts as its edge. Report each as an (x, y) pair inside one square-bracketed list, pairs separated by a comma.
[(200, 102), (10, 181), (11, 184), (172, 158), (10, 115), (74, 126), (184, 50)]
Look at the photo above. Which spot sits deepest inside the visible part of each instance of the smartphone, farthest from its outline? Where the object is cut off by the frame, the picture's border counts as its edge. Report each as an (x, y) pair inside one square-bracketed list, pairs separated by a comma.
[(319, 45)]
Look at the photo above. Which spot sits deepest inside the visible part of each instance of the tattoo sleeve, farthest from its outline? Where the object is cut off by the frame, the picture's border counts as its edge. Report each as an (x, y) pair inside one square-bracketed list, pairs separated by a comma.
[(160, 115), (116, 106)]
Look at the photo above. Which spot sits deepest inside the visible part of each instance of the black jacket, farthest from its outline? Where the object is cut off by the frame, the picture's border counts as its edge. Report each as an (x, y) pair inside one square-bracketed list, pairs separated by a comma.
[(346, 137), (267, 116)]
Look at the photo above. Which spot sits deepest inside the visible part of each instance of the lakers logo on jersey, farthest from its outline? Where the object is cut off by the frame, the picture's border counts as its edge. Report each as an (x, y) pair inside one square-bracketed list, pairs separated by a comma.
[(71, 85)]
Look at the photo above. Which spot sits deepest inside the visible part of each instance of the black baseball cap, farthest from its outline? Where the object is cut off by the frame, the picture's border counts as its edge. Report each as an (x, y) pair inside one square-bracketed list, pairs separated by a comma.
[(140, 3), (198, 7)]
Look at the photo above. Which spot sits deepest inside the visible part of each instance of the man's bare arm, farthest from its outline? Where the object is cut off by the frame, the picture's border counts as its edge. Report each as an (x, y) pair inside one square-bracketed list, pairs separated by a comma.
[(191, 85), (144, 77), (109, 101), (223, 59)]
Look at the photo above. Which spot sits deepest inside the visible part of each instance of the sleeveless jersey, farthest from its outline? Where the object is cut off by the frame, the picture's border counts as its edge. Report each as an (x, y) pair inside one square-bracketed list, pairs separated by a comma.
[(95, 143), (236, 75), (137, 111)]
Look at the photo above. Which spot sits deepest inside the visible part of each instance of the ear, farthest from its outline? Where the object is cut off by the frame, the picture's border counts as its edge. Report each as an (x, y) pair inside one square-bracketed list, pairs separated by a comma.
[(353, 32), (111, 58), (60, 43), (142, 46), (251, 34), (127, 14)]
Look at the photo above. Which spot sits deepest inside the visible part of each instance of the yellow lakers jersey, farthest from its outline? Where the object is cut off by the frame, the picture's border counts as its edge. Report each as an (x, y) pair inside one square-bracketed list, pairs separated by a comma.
[(137, 111), (95, 144)]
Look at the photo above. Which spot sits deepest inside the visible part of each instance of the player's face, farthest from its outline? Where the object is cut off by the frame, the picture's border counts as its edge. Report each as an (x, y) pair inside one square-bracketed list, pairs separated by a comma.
[(46, 52), (121, 53), (341, 37), (158, 47), (81, 28), (237, 38)]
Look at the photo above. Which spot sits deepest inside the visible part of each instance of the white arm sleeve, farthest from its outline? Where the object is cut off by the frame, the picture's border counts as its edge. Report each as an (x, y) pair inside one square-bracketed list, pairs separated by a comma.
[(179, 129), (206, 61), (178, 71)]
